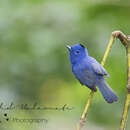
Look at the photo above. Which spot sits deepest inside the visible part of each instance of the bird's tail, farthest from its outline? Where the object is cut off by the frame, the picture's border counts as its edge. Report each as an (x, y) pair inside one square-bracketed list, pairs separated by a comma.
[(107, 92)]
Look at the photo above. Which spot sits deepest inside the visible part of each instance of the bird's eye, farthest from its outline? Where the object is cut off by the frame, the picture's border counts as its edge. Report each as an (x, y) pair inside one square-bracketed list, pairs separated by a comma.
[(77, 51)]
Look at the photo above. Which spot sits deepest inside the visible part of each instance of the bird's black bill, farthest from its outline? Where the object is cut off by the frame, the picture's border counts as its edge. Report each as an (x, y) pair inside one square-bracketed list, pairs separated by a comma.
[(68, 47)]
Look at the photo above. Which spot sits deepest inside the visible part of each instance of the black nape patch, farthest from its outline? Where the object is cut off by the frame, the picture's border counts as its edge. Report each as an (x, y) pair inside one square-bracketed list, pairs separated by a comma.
[(82, 45)]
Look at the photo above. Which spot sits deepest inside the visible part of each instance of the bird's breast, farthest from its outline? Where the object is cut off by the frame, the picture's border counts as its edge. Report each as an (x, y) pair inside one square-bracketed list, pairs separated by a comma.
[(84, 74)]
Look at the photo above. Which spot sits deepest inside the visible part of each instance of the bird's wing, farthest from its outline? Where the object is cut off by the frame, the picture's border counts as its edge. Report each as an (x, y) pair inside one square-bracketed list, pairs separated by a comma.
[(98, 68)]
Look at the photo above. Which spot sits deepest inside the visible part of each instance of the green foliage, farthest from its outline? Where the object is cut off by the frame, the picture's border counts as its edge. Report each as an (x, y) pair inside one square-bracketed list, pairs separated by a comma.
[(34, 63)]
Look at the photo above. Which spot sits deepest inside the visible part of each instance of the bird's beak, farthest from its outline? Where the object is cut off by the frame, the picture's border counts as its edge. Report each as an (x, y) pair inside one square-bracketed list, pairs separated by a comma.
[(68, 47)]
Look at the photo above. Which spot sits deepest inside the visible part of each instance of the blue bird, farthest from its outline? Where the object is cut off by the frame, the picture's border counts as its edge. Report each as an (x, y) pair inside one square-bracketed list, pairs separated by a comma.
[(89, 72)]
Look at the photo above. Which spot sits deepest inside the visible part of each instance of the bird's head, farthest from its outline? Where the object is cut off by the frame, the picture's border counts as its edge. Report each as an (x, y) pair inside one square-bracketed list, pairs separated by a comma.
[(77, 53)]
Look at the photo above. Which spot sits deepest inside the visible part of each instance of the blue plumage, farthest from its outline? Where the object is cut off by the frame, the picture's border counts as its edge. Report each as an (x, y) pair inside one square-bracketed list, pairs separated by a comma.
[(89, 72)]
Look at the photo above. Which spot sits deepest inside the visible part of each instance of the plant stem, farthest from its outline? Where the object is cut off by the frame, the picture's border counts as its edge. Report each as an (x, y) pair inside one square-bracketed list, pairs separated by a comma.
[(108, 50), (125, 40), (125, 112), (84, 114), (127, 100)]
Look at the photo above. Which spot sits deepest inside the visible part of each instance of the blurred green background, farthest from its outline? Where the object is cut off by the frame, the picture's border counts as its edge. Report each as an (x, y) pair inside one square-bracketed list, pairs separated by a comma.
[(35, 67)]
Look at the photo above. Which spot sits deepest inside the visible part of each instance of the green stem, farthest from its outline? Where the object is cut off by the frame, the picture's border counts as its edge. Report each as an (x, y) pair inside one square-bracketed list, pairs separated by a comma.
[(83, 117), (127, 100)]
